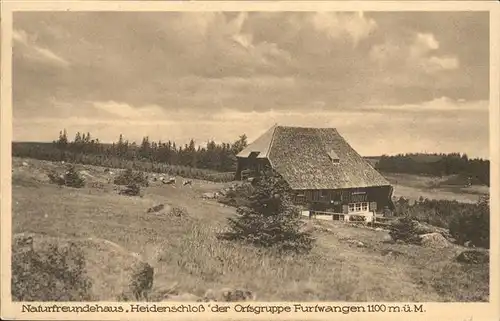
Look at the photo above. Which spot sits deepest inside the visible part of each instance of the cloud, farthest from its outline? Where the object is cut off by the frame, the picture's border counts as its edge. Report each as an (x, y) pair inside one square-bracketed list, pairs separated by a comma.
[(335, 25), (35, 53), (435, 64), (126, 111), (20, 36), (217, 45), (202, 74), (438, 104), (419, 56), (423, 44), (327, 54), (438, 129)]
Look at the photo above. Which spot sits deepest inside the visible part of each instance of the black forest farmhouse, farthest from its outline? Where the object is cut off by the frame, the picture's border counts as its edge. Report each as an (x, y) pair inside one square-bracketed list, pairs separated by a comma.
[(325, 173)]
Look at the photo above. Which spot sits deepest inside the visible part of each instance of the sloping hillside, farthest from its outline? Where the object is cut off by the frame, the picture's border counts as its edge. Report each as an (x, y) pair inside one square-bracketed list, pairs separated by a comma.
[(183, 249)]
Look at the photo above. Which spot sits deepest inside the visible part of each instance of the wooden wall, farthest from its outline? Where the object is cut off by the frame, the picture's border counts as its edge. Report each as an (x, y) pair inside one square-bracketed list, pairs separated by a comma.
[(249, 163), (327, 200), (332, 200)]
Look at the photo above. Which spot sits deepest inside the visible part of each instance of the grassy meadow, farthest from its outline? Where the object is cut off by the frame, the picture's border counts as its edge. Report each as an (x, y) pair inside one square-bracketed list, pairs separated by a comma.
[(186, 254), (413, 186)]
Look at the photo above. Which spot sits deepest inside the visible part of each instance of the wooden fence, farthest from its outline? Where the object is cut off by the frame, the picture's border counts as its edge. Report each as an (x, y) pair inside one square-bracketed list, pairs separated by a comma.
[(377, 219)]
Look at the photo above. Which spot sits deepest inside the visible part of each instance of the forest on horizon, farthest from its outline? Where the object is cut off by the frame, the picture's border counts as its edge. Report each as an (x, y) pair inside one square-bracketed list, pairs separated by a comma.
[(221, 157)]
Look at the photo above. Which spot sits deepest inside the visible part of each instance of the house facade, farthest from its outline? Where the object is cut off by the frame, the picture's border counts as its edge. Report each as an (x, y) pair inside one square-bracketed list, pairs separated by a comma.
[(325, 173)]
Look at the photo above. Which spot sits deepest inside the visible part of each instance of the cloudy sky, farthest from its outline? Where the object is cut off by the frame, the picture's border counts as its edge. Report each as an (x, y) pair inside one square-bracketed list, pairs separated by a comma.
[(389, 82)]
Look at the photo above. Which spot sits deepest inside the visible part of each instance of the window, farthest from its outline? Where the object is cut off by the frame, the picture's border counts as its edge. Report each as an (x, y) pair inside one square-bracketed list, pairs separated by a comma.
[(300, 198), (338, 217), (358, 207)]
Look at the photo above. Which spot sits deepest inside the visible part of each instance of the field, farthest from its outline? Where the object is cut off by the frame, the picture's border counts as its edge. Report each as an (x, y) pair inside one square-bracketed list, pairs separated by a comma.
[(413, 186), (184, 251)]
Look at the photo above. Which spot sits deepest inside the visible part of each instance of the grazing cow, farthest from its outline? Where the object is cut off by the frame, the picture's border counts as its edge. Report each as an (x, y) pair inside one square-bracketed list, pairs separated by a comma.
[(187, 182), (210, 195), (170, 181)]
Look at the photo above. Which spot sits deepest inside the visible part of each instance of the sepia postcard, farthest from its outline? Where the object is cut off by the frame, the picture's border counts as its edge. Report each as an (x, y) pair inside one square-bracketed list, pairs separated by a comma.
[(250, 160)]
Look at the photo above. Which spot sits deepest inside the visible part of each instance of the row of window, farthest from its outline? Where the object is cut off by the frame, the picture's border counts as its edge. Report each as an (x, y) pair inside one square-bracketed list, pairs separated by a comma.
[(322, 195), (358, 207)]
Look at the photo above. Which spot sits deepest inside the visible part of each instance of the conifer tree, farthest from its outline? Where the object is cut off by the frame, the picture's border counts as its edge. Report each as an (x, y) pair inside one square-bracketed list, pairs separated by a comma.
[(269, 219), (62, 142)]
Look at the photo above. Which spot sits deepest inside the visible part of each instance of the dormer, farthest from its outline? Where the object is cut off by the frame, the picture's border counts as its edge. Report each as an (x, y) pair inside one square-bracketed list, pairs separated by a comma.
[(333, 156)]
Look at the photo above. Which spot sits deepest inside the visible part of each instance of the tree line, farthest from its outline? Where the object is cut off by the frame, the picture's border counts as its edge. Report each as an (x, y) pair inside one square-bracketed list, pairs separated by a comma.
[(475, 169), (215, 156), (213, 161), (198, 161)]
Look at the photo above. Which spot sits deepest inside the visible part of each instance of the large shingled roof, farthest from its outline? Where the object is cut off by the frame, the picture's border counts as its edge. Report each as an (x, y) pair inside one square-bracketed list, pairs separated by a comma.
[(314, 158)]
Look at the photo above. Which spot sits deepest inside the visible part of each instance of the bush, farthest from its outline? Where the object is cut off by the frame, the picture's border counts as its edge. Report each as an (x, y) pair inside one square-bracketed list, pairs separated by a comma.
[(270, 219), (58, 276), (178, 211), (435, 212), (357, 218), (237, 196), (472, 224), (405, 229), (54, 178), (73, 179), (132, 190), (473, 257), (129, 177), (70, 178)]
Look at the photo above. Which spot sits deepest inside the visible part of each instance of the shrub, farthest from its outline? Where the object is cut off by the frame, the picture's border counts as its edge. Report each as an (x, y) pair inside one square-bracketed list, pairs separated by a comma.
[(178, 211), (237, 196), (357, 218), (128, 177), (435, 212), (473, 257), (472, 224), (132, 189), (58, 276), (70, 178), (73, 179), (269, 219), (156, 208), (405, 229), (54, 178)]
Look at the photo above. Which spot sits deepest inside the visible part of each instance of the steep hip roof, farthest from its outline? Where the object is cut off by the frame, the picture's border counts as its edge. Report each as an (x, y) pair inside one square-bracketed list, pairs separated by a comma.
[(314, 158), (261, 146)]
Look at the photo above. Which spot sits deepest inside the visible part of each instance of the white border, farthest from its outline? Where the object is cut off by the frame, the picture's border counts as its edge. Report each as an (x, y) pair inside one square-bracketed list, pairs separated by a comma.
[(440, 311)]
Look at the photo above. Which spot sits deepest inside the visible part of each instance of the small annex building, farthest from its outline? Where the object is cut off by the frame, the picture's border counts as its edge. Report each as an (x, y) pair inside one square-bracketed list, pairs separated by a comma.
[(325, 173)]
